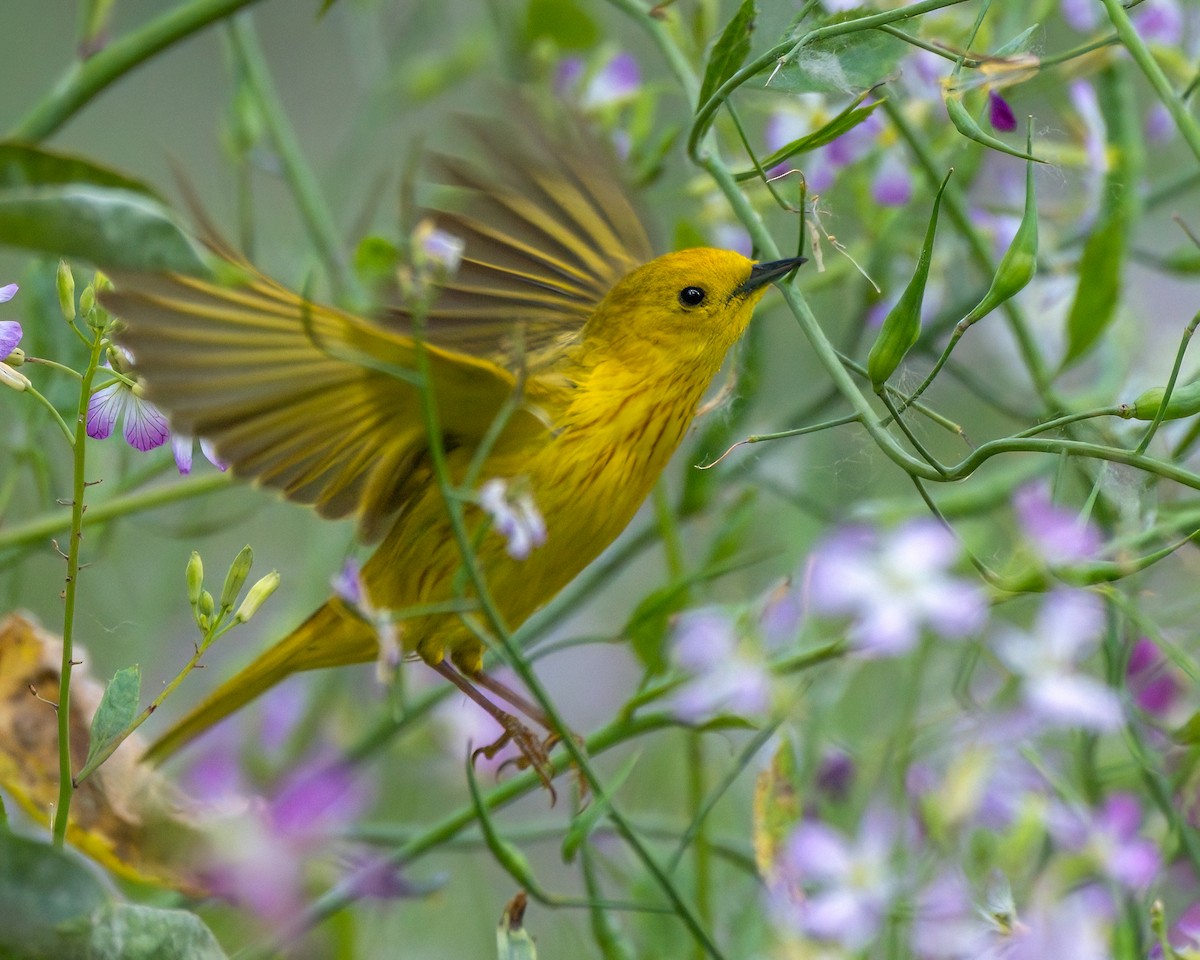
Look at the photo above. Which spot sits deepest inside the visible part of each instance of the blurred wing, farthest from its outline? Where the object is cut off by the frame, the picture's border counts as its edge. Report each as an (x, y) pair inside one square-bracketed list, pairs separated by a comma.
[(549, 229), (278, 385)]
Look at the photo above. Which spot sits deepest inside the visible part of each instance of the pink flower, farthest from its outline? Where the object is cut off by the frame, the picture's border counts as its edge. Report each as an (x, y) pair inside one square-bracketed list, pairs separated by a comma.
[(1061, 536), (142, 422)]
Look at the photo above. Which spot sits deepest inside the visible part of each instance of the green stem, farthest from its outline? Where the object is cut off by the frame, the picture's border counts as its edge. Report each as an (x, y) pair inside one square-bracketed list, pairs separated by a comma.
[(702, 855), (42, 528), (1184, 121), (79, 485), (313, 210), (83, 81), (53, 412)]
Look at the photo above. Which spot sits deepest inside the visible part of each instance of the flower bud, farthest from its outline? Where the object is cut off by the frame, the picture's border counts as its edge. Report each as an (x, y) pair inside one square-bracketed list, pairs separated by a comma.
[(195, 578), (12, 378), (239, 570), (87, 300), (1019, 262), (66, 291), (902, 326), (206, 604), (16, 357), (1184, 402), (257, 597)]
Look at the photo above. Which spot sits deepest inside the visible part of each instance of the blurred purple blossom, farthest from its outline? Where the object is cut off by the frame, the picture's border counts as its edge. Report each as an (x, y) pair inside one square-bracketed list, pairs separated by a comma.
[(835, 774), (1109, 836), (731, 236), (1183, 936), (1000, 114), (1159, 124), (347, 583), (725, 678), (463, 727), (781, 616), (1066, 630), (894, 586), (1150, 679), (8, 291), (847, 884), (1159, 21), (893, 185), (618, 80), (1059, 535), (1087, 107), (924, 72), (516, 519), (1081, 15), (948, 924), (1076, 926)]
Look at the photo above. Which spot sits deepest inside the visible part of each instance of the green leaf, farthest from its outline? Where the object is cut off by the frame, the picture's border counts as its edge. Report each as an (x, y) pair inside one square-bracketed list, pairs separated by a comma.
[(730, 50), (647, 626), (24, 165), (129, 931), (110, 227), (1099, 288), (849, 63), (117, 709), (563, 21), (847, 120), (583, 825), (41, 886)]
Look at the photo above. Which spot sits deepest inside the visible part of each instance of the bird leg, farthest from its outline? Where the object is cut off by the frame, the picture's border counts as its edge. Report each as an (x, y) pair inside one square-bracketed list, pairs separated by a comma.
[(534, 713), (532, 751)]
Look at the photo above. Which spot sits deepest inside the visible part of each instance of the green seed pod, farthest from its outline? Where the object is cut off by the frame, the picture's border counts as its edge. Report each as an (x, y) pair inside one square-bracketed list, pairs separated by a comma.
[(195, 579), (239, 570), (1184, 402), (66, 290), (257, 597), (966, 124), (902, 326), (1019, 263)]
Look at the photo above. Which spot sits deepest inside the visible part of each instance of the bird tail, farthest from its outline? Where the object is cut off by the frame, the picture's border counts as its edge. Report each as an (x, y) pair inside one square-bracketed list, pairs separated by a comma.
[(333, 636)]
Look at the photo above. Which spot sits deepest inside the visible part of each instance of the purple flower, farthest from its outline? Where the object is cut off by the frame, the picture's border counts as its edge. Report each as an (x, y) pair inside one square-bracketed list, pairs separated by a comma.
[(1000, 114), (725, 679), (1059, 535), (1077, 926), (731, 236), (1184, 935), (1150, 679), (924, 73), (317, 799), (348, 584), (1159, 21), (847, 884), (1081, 15), (781, 616), (182, 447), (10, 336), (615, 82), (1066, 630), (143, 423), (835, 774), (517, 520), (895, 587), (948, 924), (892, 186), (1159, 124), (1109, 837)]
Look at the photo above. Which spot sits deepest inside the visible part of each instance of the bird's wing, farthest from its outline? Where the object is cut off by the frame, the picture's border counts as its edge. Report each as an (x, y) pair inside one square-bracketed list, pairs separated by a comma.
[(299, 396), (548, 228)]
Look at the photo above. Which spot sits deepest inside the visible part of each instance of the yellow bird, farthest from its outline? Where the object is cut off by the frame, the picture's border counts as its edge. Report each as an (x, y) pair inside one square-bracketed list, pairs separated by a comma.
[(611, 359)]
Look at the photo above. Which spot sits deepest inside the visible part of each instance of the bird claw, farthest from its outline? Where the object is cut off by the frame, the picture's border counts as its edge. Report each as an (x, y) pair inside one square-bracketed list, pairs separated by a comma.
[(533, 754)]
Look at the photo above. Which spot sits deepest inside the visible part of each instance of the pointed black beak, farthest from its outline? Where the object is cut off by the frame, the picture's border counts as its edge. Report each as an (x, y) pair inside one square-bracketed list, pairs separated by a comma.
[(763, 273)]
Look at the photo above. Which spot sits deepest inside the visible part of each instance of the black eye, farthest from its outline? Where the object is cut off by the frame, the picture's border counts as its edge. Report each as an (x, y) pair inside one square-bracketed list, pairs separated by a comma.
[(691, 296)]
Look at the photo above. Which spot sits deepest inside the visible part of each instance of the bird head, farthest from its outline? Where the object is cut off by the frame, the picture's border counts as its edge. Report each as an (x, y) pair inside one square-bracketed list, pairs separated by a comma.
[(690, 304)]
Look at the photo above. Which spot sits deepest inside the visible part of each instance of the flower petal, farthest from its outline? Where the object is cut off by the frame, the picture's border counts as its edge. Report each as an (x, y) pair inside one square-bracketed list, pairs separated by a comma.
[(181, 447), (104, 407), (10, 336), (8, 291), (145, 425)]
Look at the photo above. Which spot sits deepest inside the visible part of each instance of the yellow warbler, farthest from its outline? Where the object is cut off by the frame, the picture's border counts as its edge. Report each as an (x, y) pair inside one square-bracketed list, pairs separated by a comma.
[(610, 359)]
